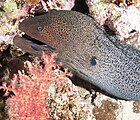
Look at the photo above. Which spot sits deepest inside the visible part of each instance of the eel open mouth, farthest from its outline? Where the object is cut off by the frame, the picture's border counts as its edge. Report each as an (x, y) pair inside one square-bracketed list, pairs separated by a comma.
[(30, 44)]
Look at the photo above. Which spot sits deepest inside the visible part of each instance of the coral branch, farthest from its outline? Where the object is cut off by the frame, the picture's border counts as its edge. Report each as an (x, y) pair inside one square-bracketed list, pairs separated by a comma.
[(30, 91)]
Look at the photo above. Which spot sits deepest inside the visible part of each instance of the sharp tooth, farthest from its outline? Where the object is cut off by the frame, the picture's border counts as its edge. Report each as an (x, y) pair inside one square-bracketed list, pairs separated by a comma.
[(21, 34)]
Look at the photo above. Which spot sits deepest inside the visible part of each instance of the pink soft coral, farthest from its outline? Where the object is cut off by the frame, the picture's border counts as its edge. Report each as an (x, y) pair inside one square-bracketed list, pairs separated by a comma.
[(30, 91)]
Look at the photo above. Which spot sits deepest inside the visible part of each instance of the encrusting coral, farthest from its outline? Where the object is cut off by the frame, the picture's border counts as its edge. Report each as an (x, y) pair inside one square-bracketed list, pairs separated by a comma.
[(124, 20)]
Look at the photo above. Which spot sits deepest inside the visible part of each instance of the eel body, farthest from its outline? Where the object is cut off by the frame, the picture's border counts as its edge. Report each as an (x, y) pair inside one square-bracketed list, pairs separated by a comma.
[(86, 49)]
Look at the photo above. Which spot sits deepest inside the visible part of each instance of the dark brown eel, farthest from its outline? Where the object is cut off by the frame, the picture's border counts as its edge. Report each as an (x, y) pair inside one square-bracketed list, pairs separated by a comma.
[(86, 49)]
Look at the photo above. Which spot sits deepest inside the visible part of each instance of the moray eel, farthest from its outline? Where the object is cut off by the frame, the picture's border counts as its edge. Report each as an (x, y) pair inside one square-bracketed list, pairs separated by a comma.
[(86, 49)]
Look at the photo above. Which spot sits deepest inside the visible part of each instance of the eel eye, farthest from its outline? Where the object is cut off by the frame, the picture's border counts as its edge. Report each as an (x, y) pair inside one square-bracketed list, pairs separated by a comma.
[(40, 28)]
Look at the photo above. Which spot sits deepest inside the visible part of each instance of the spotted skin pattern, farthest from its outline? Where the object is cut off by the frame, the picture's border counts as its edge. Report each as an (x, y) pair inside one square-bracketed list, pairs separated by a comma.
[(86, 49)]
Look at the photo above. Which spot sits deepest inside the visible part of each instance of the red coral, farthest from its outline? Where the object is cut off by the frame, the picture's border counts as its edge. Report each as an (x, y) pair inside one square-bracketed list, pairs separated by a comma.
[(30, 91)]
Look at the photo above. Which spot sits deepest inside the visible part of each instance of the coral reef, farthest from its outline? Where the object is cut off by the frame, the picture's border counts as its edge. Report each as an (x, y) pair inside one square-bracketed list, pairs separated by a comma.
[(61, 100), (43, 92), (123, 20), (30, 92), (107, 108)]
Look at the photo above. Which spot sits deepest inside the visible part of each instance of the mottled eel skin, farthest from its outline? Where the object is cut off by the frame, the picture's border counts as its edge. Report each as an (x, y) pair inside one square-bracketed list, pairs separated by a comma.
[(86, 48)]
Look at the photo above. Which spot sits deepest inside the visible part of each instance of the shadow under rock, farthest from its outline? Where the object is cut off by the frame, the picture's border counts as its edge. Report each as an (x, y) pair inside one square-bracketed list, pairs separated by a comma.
[(10, 64), (80, 6), (90, 87)]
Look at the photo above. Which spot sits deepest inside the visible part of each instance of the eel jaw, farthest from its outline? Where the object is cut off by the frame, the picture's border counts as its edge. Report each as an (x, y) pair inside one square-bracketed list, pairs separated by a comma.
[(32, 45)]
